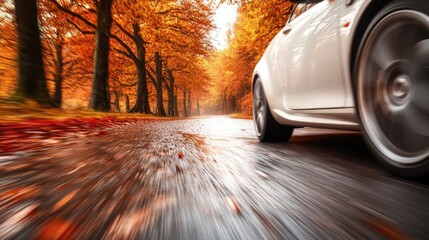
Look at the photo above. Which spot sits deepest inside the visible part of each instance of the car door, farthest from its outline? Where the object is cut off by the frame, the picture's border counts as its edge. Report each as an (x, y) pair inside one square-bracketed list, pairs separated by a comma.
[(279, 53), (312, 68)]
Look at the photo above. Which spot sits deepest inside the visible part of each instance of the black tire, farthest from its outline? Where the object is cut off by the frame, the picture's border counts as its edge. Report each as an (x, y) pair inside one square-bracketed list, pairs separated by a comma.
[(392, 87), (266, 127)]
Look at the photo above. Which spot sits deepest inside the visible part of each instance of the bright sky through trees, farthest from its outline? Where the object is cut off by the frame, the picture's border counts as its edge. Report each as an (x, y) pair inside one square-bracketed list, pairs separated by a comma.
[(224, 18)]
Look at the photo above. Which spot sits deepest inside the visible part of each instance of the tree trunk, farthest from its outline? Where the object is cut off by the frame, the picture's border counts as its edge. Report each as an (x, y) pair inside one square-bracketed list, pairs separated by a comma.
[(171, 94), (224, 104), (58, 95), (100, 86), (189, 104), (58, 77), (176, 107), (127, 103), (142, 98), (233, 103), (117, 107), (198, 107), (31, 80), (159, 97), (185, 112)]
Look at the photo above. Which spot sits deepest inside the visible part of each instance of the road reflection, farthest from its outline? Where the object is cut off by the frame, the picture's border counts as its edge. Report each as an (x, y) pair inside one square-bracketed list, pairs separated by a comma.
[(207, 178)]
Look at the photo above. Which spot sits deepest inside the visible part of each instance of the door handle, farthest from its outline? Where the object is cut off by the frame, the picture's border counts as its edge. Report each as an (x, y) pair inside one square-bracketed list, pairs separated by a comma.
[(287, 30)]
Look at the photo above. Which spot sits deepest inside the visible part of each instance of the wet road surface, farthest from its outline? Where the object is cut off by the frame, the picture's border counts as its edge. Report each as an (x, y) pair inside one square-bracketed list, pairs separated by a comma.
[(207, 178)]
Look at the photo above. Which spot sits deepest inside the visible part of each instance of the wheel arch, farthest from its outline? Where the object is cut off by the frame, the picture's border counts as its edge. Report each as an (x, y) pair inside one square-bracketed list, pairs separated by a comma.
[(263, 72), (363, 23), (255, 76)]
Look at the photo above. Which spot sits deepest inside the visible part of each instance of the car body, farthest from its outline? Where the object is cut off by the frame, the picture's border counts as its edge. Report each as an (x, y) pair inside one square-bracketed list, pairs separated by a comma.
[(321, 69)]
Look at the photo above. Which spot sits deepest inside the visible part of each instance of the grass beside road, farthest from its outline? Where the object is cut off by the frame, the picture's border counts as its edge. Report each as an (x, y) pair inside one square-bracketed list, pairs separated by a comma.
[(17, 112), (29, 126), (241, 116)]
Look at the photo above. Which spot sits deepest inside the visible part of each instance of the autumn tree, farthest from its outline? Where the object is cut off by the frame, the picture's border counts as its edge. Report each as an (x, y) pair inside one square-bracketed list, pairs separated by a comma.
[(181, 36), (9, 50), (159, 84), (150, 34), (128, 34), (99, 99), (122, 81), (57, 34), (31, 81)]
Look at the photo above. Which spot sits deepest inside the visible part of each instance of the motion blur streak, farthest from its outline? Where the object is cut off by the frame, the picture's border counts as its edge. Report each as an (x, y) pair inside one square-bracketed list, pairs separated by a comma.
[(207, 178)]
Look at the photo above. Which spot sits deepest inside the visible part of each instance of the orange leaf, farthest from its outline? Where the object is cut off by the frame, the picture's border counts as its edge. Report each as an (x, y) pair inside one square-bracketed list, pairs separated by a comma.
[(234, 205), (64, 200), (56, 229)]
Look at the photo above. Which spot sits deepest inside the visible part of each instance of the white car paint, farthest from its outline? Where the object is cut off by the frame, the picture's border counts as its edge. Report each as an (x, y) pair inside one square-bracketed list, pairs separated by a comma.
[(314, 79), (311, 86)]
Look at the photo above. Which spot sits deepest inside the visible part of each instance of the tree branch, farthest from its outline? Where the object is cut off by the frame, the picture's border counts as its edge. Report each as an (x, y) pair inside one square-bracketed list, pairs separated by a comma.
[(128, 34), (66, 10), (10, 59), (124, 53), (152, 79), (79, 29), (130, 53)]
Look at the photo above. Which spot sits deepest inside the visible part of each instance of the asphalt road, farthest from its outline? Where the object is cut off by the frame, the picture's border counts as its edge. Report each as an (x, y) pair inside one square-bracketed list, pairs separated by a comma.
[(207, 178)]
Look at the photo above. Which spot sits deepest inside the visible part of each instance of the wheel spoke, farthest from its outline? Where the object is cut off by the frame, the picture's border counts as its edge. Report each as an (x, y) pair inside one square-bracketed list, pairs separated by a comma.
[(258, 91), (419, 105), (421, 96), (260, 121), (418, 118), (408, 129), (259, 107), (413, 34), (384, 53), (403, 37), (256, 100), (392, 45)]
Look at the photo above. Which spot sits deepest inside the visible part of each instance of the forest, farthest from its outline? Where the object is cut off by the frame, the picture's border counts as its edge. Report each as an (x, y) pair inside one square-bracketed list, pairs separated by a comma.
[(151, 57)]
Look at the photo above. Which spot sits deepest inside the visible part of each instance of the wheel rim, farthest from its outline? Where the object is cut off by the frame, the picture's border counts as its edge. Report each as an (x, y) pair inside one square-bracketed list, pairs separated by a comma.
[(393, 86), (259, 107)]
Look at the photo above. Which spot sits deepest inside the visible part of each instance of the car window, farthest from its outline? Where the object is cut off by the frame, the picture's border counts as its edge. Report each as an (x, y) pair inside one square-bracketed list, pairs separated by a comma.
[(298, 9)]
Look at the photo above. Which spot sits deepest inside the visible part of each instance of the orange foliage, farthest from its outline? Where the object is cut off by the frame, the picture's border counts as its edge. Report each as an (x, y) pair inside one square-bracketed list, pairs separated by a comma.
[(231, 72), (8, 53), (178, 30)]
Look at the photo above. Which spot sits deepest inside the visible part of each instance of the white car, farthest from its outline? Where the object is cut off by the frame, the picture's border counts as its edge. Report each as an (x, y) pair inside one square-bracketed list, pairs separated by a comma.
[(351, 64)]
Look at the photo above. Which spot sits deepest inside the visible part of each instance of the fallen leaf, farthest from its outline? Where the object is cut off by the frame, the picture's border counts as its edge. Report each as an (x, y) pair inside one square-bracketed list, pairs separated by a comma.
[(387, 230), (64, 200), (102, 133), (262, 175), (19, 193), (57, 228), (234, 205)]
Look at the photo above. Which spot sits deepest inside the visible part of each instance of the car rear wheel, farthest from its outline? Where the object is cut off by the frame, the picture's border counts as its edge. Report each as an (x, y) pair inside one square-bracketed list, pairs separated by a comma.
[(267, 129), (392, 87)]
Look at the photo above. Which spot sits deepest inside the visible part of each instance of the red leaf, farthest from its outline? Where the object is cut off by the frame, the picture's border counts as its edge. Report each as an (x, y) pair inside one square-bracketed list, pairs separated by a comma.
[(57, 228)]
